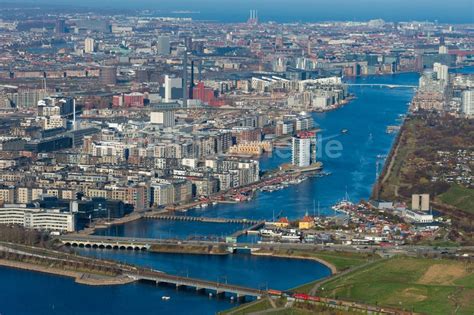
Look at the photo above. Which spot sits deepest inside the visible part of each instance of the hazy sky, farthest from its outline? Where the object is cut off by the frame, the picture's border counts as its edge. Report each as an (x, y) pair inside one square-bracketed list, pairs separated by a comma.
[(453, 11)]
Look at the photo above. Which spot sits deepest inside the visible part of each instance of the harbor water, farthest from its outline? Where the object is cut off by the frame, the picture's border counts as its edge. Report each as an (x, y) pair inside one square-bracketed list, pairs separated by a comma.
[(353, 171)]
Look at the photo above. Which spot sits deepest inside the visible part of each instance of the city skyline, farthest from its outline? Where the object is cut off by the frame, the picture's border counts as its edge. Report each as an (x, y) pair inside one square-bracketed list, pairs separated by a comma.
[(236, 157)]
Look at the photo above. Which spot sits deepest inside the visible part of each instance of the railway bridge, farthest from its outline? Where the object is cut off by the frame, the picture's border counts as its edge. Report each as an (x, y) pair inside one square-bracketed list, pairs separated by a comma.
[(214, 287)]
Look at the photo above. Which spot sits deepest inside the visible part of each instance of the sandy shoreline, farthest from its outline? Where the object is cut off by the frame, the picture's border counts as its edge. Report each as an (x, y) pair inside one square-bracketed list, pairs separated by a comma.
[(81, 278), (319, 260)]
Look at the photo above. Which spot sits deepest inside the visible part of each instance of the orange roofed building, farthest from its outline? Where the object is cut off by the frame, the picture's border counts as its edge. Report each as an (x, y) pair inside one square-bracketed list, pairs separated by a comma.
[(283, 223), (306, 223)]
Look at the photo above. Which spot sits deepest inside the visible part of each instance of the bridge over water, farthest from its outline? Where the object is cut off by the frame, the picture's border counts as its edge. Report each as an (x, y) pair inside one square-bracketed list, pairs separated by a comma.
[(198, 219), (218, 288), (141, 244), (129, 243)]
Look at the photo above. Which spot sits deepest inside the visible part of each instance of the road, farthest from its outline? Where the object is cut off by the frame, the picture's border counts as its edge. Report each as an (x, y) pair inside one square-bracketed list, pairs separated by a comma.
[(405, 249)]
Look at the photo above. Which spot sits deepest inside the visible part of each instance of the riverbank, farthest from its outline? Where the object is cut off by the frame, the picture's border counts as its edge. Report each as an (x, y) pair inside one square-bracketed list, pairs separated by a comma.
[(334, 107), (389, 167), (331, 266), (79, 277), (188, 249), (134, 216)]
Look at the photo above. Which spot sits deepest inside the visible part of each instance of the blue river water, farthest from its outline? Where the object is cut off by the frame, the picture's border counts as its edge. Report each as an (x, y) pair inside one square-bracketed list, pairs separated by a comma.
[(170, 229), (353, 171), (366, 119), (353, 168), (58, 295), (25, 292), (240, 269)]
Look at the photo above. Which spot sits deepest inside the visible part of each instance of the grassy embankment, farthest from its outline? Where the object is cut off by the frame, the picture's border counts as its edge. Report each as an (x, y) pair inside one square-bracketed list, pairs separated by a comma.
[(341, 261), (422, 285), (391, 178), (414, 284), (459, 197), (337, 261), (189, 249), (84, 270)]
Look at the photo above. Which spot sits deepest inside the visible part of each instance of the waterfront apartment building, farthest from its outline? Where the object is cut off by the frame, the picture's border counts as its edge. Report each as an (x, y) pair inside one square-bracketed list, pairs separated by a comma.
[(37, 218), (166, 192), (284, 128), (162, 194), (303, 149)]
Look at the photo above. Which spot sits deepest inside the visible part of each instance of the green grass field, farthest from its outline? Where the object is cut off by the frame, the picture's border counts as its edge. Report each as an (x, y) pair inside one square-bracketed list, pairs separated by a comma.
[(344, 260), (422, 285), (459, 197), (340, 260)]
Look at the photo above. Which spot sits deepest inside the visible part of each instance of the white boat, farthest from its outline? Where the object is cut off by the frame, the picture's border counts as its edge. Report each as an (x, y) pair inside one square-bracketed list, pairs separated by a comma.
[(270, 233), (165, 298)]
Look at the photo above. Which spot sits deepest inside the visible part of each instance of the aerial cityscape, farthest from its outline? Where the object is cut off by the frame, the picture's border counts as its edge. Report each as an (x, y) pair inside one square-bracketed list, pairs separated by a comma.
[(255, 157)]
